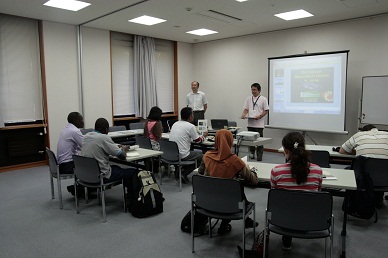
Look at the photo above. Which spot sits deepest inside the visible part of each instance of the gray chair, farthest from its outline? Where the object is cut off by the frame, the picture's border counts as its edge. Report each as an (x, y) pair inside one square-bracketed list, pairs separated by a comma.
[(300, 214), (220, 198), (88, 174), (232, 123), (170, 123), (117, 128), (85, 131), (171, 156), (54, 173), (139, 125), (320, 158)]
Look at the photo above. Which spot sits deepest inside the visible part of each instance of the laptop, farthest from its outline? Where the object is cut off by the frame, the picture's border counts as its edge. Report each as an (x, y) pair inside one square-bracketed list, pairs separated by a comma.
[(218, 124)]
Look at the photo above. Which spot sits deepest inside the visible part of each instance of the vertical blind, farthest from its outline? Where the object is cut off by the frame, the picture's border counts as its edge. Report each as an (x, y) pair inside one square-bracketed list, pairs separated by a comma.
[(20, 73), (122, 74)]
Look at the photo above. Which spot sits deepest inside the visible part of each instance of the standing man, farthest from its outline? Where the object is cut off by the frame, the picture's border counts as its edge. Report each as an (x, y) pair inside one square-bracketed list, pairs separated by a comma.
[(97, 144), (256, 107), (70, 142), (197, 101), (372, 143), (183, 132)]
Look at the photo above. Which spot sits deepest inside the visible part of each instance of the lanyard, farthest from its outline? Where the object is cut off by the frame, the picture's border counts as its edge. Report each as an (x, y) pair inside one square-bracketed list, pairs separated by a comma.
[(254, 103)]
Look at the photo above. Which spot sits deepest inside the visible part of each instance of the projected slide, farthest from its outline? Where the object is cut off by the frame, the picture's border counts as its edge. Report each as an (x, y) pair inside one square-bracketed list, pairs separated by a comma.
[(308, 87)]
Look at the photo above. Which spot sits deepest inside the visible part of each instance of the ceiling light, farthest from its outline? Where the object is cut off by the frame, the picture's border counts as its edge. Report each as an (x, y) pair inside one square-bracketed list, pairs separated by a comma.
[(202, 32), (241, 0), (293, 15), (147, 20), (71, 5)]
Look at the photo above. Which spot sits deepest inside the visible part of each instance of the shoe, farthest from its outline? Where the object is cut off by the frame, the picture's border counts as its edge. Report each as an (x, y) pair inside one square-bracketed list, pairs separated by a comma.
[(71, 190), (259, 158), (286, 243), (224, 229), (249, 223)]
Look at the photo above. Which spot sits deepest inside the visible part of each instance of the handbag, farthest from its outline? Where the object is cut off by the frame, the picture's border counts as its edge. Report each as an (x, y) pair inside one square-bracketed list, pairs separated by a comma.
[(257, 247)]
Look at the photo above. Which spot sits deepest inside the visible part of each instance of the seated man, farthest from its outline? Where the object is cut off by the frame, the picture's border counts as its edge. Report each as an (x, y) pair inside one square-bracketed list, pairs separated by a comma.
[(183, 132), (370, 142), (97, 144), (70, 142)]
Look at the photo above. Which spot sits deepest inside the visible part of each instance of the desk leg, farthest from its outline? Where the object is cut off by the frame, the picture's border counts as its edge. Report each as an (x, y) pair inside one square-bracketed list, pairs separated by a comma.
[(343, 235)]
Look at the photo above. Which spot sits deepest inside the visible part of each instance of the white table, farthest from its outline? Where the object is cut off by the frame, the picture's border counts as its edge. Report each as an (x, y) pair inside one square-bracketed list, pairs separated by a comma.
[(143, 154), (125, 133)]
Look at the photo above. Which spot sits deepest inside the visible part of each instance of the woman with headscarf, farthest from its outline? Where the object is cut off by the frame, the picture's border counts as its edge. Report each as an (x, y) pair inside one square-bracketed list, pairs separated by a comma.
[(221, 162)]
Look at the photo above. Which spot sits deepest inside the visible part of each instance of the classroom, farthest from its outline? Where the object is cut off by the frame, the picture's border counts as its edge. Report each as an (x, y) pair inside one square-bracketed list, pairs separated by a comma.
[(225, 68)]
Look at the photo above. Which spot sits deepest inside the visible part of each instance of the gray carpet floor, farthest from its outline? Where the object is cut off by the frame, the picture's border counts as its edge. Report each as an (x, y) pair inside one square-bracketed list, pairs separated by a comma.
[(31, 225)]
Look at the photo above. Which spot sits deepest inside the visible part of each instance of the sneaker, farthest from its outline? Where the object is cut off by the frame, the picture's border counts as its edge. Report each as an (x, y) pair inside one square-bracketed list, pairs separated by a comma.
[(286, 243), (249, 223)]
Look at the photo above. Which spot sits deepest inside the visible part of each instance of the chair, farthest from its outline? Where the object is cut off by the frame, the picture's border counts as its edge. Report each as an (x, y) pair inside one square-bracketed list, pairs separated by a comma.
[(87, 173), (54, 173), (170, 123), (220, 198), (139, 125), (85, 131), (143, 142), (320, 158), (232, 123), (300, 214), (117, 128), (171, 156)]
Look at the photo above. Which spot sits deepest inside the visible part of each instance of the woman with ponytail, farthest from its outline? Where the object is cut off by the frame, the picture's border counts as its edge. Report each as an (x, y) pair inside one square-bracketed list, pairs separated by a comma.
[(298, 173)]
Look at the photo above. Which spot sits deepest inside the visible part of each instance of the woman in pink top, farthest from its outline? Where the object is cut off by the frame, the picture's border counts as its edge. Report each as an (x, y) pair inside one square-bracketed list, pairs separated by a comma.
[(298, 173), (153, 127)]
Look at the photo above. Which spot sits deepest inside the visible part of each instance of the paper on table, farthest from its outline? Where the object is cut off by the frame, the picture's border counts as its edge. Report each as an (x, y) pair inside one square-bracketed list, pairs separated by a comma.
[(132, 154), (328, 176)]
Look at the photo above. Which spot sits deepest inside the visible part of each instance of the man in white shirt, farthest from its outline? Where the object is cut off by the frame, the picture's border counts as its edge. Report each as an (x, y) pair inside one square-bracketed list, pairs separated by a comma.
[(197, 101), (255, 109), (183, 132)]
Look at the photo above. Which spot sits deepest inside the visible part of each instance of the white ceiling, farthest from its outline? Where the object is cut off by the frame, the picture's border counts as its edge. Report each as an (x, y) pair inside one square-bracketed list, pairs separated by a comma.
[(253, 16)]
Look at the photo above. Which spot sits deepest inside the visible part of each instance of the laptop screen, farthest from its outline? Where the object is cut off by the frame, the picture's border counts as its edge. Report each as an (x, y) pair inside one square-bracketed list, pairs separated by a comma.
[(218, 124)]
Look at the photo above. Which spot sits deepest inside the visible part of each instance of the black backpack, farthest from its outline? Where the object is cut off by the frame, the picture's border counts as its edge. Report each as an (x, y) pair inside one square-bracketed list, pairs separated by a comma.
[(361, 203), (147, 199), (200, 222)]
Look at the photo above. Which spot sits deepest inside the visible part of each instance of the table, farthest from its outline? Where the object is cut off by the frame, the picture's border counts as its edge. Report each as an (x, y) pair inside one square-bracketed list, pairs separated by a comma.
[(125, 133), (335, 157), (345, 180), (143, 154)]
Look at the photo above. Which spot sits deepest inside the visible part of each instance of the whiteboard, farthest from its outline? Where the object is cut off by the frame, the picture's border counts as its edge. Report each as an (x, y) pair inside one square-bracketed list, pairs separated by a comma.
[(374, 100)]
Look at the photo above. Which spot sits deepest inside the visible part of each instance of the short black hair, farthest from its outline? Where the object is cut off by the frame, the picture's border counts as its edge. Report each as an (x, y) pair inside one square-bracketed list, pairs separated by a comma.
[(74, 117), (101, 125), (186, 112), (196, 82), (257, 85), (368, 127), (155, 114)]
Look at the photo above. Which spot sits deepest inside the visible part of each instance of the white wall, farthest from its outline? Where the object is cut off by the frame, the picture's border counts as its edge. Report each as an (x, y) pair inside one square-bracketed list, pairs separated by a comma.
[(227, 68), (60, 57)]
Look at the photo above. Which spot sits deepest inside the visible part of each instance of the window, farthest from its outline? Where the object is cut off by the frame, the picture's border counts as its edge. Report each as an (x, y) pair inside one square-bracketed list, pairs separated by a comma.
[(122, 74), (20, 75)]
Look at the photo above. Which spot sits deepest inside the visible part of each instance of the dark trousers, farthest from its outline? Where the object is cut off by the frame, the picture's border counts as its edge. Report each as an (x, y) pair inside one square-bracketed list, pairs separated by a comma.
[(194, 155), (198, 115), (126, 174), (259, 148), (66, 168)]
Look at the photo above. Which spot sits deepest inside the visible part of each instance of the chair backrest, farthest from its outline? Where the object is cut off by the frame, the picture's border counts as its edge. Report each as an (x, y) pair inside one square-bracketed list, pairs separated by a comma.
[(53, 163), (85, 131), (232, 123), (170, 150), (143, 142), (170, 123), (86, 169), (320, 158), (117, 128), (378, 171), (139, 125), (217, 194), (300, 210)]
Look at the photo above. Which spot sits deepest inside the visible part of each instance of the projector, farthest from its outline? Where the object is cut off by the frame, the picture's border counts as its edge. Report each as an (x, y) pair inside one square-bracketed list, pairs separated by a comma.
[(248, 136)]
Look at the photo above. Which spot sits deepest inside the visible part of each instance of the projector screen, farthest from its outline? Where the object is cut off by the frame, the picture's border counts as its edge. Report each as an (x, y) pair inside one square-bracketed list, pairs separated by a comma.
[(307, 92)]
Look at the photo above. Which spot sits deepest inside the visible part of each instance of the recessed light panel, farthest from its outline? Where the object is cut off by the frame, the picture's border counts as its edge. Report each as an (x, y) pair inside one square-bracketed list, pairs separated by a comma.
[(71, 5), (202, 32), (293, 15), (147, 20), (241, 0)]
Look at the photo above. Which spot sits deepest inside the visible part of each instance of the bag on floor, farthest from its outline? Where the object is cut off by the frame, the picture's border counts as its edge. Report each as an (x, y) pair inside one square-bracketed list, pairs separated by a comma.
[(147, 199), (200, 222), (257, 247), (361, 203)]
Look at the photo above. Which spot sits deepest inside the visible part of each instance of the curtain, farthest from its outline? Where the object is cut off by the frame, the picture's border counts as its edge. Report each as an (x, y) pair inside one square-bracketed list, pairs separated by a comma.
[(144, 75)]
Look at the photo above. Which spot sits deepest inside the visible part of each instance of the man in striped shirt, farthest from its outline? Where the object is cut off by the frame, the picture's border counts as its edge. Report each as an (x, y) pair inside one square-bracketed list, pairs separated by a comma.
[(372, 143)]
